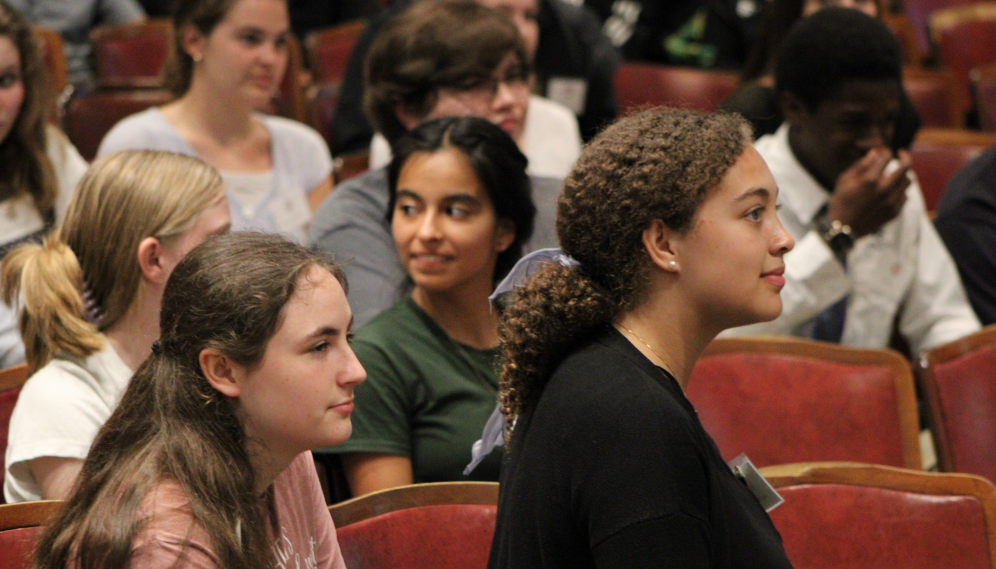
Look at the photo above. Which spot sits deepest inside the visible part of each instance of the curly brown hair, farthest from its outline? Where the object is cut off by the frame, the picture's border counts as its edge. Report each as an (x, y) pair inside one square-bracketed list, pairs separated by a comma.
[(659, 164)]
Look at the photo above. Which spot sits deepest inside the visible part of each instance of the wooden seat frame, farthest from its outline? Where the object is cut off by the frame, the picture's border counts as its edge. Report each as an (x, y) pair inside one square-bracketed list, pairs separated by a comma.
[(414, 496)]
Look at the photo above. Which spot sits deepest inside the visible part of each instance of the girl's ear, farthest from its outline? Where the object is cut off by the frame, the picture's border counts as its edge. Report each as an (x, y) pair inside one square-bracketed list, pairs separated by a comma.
[(192, 41), (149, 252), (661, 243), (504, 235), (221, 372)]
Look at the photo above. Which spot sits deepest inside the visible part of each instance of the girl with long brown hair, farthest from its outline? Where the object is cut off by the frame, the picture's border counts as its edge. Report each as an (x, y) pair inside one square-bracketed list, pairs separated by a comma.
[(669, 218), (39, 167), (89, 297), (205, 462)]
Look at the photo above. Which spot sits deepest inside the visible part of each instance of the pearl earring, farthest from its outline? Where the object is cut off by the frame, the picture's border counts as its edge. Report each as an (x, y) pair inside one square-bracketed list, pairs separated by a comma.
[(673, 265), (197, 57)]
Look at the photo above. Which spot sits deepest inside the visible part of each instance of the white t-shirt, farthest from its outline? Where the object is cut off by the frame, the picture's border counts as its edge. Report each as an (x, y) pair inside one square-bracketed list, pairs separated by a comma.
[(19, 218), (58, 413), (551, 140)]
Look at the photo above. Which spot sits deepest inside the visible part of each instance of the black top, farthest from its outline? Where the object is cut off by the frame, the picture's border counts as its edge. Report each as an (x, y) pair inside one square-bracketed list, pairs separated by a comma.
[(966, 220), (571, 46), (611, 468), (760, 106)]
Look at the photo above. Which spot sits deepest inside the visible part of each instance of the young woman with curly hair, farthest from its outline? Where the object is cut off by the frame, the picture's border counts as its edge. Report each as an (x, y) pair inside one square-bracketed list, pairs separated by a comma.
[(671, 217)]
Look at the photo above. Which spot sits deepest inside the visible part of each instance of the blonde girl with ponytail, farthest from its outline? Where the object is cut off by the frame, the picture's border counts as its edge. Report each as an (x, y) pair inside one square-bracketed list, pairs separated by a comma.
[(90, 297)]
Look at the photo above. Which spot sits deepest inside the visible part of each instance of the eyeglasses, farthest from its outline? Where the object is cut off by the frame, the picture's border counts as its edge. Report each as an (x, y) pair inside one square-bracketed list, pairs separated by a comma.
[(515, 77)]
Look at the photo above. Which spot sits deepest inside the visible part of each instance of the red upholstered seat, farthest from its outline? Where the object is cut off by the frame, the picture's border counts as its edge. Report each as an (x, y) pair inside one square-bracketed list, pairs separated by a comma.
[(132, 55), (965, 38), (329, 49), (918, 12), (860, 516), (782, 400), (935, 96), (20, 528), (939, 153), (89, 117), (443, 526), (643, 84), (11, 380), (958, 381)]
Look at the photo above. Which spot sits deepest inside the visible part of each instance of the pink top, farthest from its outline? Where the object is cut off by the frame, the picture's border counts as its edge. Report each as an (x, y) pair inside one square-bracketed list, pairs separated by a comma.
[(306, 541)]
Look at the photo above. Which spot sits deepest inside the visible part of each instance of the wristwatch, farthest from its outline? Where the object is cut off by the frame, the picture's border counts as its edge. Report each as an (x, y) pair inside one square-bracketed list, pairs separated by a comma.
[(836, 234)]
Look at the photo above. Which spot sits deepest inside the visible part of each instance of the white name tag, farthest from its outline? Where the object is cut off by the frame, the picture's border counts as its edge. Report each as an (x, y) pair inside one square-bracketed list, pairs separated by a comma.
[(290, 211), (568, 91), (764, 492)]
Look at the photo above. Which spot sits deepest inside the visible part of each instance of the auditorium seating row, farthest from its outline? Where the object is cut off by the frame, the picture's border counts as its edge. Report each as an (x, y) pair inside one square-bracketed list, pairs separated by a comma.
[(835, 515)]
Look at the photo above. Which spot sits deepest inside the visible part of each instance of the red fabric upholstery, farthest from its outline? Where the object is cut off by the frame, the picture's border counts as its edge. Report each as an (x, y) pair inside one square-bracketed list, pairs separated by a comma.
[(837, 526), (641, 84), (329, 50), (7, 400), (918, 12), (934, 165), (132, 55), (935, 96), (781, 408), (16, 547), (968, 41), (88, 118), (441, 537), (966, 390)]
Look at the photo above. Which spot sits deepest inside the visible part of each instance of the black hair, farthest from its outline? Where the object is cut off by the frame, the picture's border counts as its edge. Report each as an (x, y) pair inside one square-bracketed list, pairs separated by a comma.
[(499, 164), (832, 47)]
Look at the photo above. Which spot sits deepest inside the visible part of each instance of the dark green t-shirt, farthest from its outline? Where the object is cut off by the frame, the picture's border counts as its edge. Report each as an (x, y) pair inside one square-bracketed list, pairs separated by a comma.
[(426, 396)]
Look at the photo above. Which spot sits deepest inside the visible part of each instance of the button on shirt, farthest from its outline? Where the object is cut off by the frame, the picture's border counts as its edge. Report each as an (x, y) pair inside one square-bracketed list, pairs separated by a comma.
[(901, 269)]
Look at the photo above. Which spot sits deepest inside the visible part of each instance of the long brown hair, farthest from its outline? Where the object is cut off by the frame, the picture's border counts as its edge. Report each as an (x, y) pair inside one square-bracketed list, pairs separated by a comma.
[(122, 199), (24, 165), (659, 164), (172, 425)]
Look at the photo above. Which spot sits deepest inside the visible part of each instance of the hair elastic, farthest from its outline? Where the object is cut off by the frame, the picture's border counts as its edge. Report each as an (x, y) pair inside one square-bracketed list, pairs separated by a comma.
[(526, 266)]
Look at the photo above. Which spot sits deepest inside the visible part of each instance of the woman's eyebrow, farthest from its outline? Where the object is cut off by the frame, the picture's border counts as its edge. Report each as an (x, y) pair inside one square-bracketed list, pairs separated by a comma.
[(763, 193)]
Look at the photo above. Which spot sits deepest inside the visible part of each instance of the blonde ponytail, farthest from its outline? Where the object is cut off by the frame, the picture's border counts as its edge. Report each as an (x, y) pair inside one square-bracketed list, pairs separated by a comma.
[(46, 281)]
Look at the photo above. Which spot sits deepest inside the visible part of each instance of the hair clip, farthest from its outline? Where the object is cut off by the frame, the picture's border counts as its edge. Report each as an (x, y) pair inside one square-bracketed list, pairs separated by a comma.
[(157, 348), (526, 266)]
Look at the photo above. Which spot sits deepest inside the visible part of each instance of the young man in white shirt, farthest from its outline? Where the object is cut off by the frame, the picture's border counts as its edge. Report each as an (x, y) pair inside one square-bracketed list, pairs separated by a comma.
[(867, 259)]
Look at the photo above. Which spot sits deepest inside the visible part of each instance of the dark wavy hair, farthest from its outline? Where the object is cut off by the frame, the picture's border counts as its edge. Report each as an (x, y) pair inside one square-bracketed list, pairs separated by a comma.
[(499, 164), (433, 44), (659, 164), (24, 164), (171, 424)]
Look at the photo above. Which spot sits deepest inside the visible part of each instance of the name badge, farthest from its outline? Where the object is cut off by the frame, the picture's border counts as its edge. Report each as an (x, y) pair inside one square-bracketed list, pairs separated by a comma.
[(568, 91), (758, 486), (290, 211)]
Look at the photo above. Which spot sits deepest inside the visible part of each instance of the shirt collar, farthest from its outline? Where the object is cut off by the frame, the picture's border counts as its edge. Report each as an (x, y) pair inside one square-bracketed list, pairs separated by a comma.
[(798, 189)]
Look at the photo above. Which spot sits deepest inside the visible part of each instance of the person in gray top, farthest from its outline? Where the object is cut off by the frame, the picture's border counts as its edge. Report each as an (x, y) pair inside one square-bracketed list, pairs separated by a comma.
[(352, 223)]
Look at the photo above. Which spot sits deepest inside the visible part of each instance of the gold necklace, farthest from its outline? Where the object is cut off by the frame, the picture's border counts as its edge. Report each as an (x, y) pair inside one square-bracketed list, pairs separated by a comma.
[(651, 348)]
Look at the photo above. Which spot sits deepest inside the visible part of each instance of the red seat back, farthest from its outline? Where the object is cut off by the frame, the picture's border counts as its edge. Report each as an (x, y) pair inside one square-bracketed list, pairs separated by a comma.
[(642, 84), (958, 381), (132, 55), (329, 50), (20, 529), (443, 537), (787, 400), (874, 518), (935, 96), (11, 380), (17, 546), (939, 153), (444, 526), (918, 13), (89, 117), (965, 38)]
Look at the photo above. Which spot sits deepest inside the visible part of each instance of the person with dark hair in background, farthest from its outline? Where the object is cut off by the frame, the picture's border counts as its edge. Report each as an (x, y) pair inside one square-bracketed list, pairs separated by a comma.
[(867, 258), (460, 212), (670, 226), (205, 464), (39, 167), (756, 100), (436, 59), (573, 61), (966, 221)]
